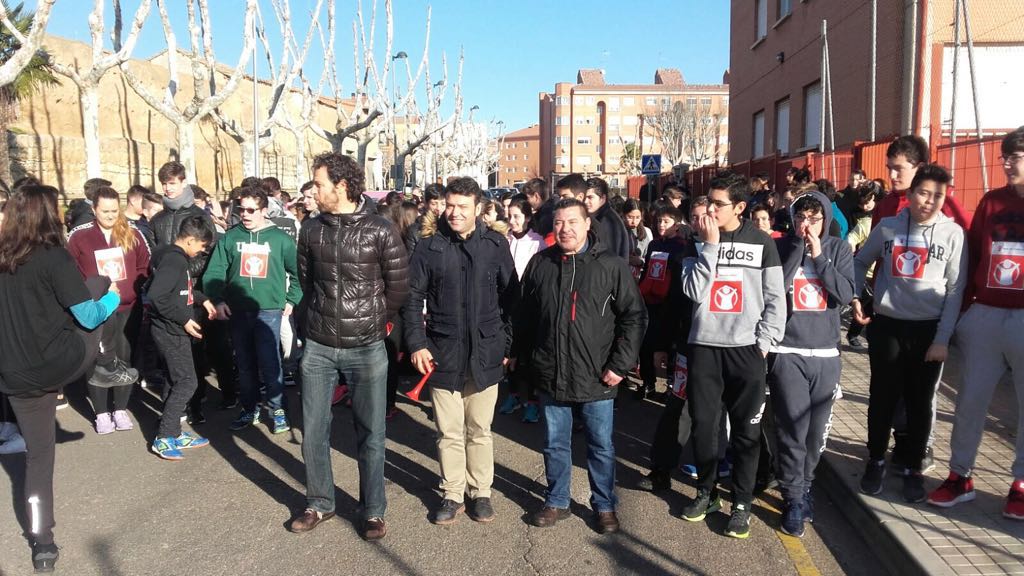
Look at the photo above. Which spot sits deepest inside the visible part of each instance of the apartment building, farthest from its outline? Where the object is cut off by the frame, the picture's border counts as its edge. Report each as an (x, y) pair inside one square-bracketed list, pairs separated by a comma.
[(588, 127), (890, 67), (519, 156)]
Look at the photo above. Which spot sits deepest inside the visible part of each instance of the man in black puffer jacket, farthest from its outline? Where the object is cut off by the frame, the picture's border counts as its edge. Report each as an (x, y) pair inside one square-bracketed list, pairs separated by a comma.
[(578, 330), (354, 275), (465, 274)]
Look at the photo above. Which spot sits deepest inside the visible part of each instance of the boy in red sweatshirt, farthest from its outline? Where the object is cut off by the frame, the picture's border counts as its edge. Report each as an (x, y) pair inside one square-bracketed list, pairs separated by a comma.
[(988, 334)]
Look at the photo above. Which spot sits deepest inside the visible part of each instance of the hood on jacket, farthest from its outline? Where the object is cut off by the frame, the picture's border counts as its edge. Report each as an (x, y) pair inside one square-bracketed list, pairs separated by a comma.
[(826, 209)]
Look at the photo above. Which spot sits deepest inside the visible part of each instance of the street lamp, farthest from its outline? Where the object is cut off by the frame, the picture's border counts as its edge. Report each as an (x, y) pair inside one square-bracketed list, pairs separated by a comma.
[(497, 144), (401, 55)]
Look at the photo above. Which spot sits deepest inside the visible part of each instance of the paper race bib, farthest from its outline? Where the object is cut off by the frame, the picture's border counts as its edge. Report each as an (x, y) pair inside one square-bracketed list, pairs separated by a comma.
[(908, 257), (255, 260), (658, 267), (190, 300), (679, 376), (1004, 268), (727, 291), (110, 263), (808, 291)]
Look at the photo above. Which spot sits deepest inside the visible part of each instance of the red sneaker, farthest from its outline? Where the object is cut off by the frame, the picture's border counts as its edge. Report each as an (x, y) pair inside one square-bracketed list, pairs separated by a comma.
[(1015, 501), (340, 393), (954, 490)]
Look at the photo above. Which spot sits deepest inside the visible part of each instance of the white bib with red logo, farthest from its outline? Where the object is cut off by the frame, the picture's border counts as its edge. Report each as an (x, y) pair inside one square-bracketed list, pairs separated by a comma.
[(727, 291), (255, 260), (658, 267), (110, 263), (908, 257), (679, 377), (1004, 268), (808, 291)]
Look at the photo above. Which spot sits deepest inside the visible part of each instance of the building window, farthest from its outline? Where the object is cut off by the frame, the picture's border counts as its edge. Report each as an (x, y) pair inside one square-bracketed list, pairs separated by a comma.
[(614, 140), (562, 160), (577, 100), (629, 120), (628, 101), (583, 160), (561, 100), (758, 142), (691, 102), (650, 101), (613, 104), (785, 7), (598, 148), (525, 169), (782, 126), (526, 156), (561, 120), (705, 102), (613, 160), (561, 140), (583, 140), (613, 120), (812, 115), (591, 100), (762, 18)]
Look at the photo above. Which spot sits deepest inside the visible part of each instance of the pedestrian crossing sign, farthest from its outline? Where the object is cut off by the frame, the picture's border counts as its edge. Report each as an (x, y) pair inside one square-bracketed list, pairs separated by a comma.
[(650, 164)]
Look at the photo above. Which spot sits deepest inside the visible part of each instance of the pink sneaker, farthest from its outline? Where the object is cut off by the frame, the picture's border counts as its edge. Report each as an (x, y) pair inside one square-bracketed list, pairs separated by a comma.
[(104, 425), (122, 421)]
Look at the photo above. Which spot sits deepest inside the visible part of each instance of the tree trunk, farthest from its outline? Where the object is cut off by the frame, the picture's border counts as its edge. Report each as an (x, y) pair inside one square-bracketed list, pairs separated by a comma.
[(6, 113), (89, 95), (399, 170), (301, 168), (248, 149), (187, 149)]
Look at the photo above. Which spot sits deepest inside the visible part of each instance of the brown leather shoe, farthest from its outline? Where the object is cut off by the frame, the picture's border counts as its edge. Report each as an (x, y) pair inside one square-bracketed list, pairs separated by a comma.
[(548, 516), (607, 522), (310, 519), (374, 529)]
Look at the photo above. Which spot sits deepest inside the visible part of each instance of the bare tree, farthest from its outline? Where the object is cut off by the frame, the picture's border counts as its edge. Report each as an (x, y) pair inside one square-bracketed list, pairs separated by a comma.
[(283, 78), (370, 100), (670, 126), (629, 161), (88, 79), (203, 63), (29, 44), (700, 140)]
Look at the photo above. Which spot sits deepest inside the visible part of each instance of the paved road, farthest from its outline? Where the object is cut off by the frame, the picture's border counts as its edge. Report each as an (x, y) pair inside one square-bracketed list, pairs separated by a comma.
[(123, 511)]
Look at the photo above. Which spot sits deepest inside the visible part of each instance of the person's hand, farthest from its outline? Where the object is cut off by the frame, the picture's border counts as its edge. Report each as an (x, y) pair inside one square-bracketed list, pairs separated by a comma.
[(287, 310), (660, 359), (707, 229), (811, 241), (422, 360), (211, 310), (611, 378), (115, 289), (936, 353), (194, 329), (858, 312), (223, 311)]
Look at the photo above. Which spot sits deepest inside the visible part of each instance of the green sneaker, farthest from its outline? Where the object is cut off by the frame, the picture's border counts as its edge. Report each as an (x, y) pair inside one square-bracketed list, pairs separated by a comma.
[(246, 419), (166, 448), (280, 421), (706, 502), (739, 522), (190, 440)]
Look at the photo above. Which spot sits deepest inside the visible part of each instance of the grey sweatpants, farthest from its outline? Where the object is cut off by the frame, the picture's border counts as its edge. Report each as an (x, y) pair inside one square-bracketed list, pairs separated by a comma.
[(803, 392), (990, 340)]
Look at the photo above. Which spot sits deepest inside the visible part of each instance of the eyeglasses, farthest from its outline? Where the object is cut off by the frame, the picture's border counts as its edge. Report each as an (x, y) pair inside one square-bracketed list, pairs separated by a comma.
[(721, 204), (249, 210), (1011, 159), (811, 221)]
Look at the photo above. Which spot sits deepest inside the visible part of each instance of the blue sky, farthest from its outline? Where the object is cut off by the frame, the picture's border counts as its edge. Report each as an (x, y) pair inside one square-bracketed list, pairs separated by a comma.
[(514, 49)]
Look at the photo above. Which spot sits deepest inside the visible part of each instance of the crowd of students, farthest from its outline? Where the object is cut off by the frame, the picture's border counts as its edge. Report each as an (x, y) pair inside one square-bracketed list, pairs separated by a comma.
[(739, 296)]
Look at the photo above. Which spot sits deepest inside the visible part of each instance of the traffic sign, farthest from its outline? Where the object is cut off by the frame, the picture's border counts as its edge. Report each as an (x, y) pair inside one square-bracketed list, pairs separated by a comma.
[(650, 164)]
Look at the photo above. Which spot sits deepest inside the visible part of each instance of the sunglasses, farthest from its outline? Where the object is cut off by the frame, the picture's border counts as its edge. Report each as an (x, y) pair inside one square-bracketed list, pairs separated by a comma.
[(248, 210)]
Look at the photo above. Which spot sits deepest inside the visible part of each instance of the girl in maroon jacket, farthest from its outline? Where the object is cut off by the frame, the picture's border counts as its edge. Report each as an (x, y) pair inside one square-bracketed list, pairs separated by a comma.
[(112, 247)]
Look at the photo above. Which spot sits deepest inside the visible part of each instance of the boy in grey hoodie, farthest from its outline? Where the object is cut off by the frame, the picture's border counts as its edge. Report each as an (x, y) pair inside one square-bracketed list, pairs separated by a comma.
[(803, 369), (735, 283), (918, 290)]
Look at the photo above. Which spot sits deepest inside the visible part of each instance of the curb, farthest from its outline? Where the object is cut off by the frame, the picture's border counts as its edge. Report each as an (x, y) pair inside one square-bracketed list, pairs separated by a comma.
[(897, 546)]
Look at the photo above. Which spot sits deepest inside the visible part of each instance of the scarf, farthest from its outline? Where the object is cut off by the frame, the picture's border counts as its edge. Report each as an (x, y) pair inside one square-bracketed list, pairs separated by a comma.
[(186, 198)]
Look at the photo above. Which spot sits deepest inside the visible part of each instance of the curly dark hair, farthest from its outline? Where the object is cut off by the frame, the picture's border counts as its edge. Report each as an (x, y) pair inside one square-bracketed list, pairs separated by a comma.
[(340, 167)]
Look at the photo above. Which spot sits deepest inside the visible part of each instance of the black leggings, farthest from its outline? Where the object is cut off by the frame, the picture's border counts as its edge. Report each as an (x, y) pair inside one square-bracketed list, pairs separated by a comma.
[(100, 397)]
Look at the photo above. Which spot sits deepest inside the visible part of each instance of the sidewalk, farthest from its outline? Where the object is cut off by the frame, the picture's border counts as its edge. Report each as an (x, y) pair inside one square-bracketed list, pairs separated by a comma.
[(971, 538)]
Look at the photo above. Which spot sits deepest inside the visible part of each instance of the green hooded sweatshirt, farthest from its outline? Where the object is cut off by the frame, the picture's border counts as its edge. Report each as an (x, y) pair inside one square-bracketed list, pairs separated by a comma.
[(253, 270)]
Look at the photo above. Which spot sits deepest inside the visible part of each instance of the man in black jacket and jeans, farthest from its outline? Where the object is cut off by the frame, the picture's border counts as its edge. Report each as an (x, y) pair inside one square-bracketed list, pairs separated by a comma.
[(465, 274), (578, 330), (354, 276)]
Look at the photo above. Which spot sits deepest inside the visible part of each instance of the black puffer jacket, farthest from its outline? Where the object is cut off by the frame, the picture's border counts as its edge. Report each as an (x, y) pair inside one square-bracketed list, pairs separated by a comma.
[(467, 314), (354, 275), (579, 315), (165, 226)]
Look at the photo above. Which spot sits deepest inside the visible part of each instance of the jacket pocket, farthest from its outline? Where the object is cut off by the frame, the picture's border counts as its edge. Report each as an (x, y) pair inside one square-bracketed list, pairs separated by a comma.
[(443, 343)]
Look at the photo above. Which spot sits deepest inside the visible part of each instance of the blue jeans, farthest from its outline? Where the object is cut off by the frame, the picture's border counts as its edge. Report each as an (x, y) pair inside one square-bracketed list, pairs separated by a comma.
[(366, 371), (256, 337), (598, 418)]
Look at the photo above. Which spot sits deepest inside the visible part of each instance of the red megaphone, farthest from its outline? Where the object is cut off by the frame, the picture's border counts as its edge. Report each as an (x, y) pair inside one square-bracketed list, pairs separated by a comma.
[(414, 394)]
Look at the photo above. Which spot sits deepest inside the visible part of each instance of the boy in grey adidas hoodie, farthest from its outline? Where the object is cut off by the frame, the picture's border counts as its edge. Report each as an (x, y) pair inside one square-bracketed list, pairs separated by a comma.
[(803, 369), (735, 283), (918, 290)]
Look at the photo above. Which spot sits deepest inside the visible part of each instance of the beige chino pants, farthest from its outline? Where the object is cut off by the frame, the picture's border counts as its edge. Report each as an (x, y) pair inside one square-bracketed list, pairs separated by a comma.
[(465, 447)]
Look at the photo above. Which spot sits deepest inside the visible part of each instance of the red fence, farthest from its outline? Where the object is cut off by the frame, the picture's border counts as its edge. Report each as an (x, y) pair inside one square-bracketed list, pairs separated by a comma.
[(970, 162)]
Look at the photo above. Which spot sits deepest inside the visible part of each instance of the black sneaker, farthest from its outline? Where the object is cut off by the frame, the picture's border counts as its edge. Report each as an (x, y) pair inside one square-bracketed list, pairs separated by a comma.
[(228, 403), (858, 342), (706, 502), (120, 375), (792, 521), (44, 557), (874, 475), (482, 511), (913, 487), (655, 481), (447, 511), (195, 416), (739, 522)]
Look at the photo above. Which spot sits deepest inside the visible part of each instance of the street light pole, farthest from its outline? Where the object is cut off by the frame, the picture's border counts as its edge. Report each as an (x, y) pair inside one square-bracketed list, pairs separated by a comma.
[(394, 117)]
